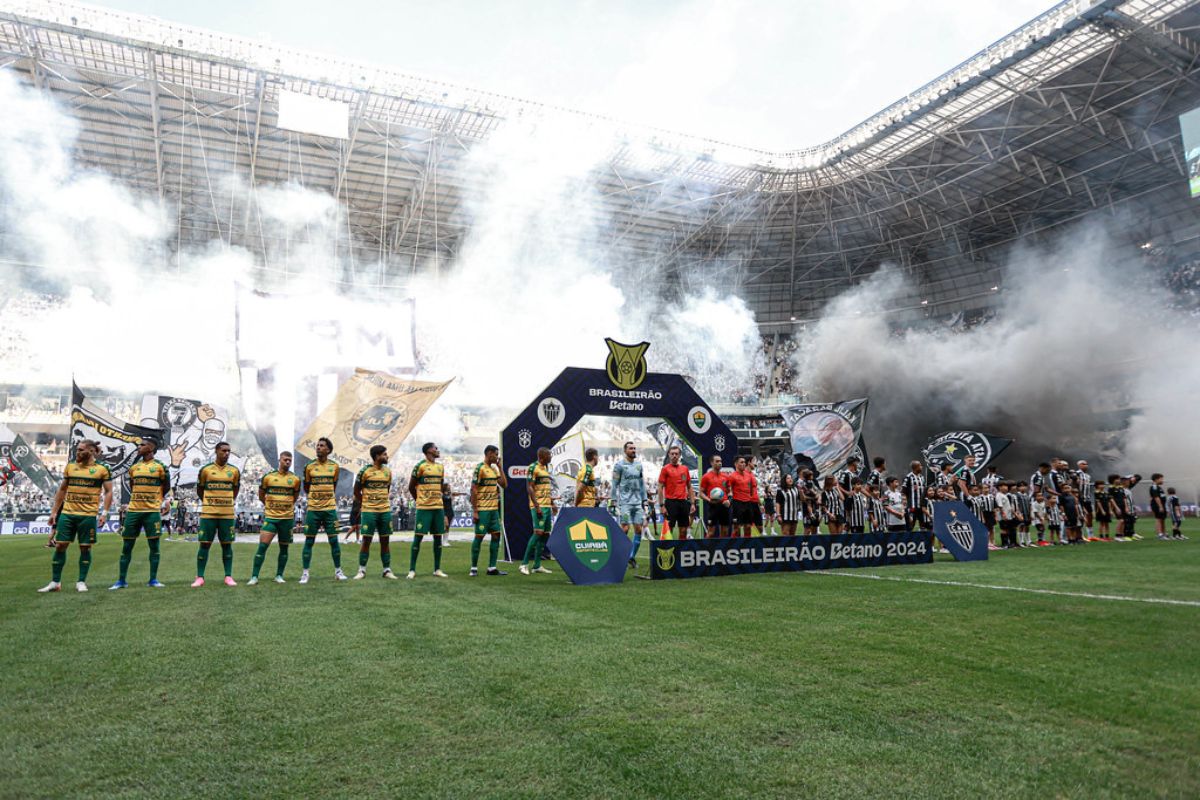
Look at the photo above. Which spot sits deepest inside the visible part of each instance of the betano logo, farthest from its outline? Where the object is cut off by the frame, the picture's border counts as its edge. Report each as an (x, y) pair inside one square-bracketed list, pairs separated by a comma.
[(626, 364), (590, 542)]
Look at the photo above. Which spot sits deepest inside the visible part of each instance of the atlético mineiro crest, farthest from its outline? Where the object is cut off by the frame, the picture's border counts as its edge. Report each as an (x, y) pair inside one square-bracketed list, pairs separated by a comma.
[(551, 412), (961, 532)]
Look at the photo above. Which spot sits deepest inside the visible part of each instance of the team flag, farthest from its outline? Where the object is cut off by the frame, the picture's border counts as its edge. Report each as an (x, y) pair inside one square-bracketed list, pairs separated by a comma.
[(370, 408), (667, 438), (191, 431), (952, 447), (566, 459), (826, 434), (17, 456), (118, 440)]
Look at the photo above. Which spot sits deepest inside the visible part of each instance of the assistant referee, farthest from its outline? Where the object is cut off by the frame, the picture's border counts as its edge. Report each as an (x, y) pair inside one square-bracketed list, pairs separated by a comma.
[(678, 500)]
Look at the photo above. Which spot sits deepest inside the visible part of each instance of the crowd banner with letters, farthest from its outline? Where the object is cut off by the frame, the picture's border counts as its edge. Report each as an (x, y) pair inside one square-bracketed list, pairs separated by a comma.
[(371, 408), (118, 440), (590, 546), (703, 558), (952, 447), (566, 459), (957, 527), (826, 434), (624, 388), (294, 350), (667, 437), (15, 453), (191, 431)]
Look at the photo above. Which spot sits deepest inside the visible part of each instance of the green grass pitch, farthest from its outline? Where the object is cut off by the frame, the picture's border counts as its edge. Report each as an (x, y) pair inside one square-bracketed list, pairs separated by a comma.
[(797, 685)]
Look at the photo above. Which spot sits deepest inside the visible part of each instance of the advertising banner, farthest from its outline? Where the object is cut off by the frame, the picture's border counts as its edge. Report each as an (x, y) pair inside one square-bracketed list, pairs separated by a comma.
[(957, 527), (589, 546)]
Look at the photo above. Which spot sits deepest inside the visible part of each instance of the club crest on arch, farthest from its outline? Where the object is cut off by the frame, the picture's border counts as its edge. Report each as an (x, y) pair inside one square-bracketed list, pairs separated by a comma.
[(626, 364)]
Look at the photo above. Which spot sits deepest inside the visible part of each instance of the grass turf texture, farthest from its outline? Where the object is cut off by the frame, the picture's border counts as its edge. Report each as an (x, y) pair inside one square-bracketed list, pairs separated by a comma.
[(754, 686)]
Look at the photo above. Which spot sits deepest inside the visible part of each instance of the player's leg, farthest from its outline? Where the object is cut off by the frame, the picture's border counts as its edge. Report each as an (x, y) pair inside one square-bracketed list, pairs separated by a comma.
[(153, 539), (421, 525), (264, 541), (439, 530), (64, 534), (310, 538), (365, 533), (129, 534), (494, 549), (532, 545), (225, 535), (208, 532), (477, 542), (283, 530), (541, 532)]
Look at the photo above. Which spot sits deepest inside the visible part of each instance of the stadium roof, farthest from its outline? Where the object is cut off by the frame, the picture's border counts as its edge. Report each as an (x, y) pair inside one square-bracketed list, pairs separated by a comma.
[(1071, 114)]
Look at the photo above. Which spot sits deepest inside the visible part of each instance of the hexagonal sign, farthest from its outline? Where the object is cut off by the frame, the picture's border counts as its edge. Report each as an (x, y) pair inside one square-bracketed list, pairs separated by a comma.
[(590, 546)]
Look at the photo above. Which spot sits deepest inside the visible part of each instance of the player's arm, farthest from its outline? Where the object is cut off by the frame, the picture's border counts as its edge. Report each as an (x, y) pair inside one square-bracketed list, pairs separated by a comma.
[(106, 501), (412, 482), (691, 493), (662, 492), (475, 493), (60, 497), (307, 481), (530, 492), (201, 483), (262, 490), (357, 492), (579, 485)]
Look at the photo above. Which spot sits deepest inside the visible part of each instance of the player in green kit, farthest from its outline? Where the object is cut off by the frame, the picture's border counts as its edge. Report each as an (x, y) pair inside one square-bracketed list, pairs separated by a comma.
[(540, 486), (320, 484), (425, 486), (278, 493), (149, 485), (73, 517), (373, 492), (485, 502)]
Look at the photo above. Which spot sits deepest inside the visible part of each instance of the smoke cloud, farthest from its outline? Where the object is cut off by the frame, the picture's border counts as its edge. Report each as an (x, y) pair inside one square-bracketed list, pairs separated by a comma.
[(1080, 336)]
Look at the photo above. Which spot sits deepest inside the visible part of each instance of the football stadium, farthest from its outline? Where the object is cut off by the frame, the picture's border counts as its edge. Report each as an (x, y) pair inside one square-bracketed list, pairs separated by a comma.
[(363, 433)]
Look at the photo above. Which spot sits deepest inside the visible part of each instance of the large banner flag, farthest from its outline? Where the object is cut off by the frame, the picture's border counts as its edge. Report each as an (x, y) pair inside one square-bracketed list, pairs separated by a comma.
[(191, 430), (826, 434), (667, 438), (952, 447), (371, 408), (566, 459), (294, 351), (118, 440), (17, 456)]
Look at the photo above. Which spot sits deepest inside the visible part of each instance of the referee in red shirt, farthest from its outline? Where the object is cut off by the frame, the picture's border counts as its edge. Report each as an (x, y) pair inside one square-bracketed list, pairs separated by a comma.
[(716, 514), (678, 502), (742, 487)]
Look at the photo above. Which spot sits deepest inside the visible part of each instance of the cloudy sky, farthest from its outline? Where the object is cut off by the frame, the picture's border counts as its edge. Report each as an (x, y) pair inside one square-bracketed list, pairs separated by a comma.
[(772, 74)]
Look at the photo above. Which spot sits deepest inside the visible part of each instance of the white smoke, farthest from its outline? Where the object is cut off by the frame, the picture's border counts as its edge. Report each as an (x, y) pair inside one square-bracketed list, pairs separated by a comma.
[(1080, 333)]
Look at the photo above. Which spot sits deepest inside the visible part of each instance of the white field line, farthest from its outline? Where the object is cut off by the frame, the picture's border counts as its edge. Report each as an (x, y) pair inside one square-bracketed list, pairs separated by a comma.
[(1089, 596)]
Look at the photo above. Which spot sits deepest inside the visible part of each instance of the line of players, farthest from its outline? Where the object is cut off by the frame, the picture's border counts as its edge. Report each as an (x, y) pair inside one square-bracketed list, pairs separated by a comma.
[(86, 494)]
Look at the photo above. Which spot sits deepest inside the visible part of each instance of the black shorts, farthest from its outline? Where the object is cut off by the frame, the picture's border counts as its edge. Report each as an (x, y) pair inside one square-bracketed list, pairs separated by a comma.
[(856, 529), (1087, 504), (756, 515), (989, 519), (1103, 516), (1160, 515), (743, 512), (716, 514), (679, 514)]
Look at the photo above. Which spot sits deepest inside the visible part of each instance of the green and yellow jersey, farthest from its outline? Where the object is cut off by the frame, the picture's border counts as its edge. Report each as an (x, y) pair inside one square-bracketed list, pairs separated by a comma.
[(587, 482), (220, 486), (487, 487), (376, 483), (279, 493), (83, 488), (543, 485), (429, 485), (149, 482), (322, 485)]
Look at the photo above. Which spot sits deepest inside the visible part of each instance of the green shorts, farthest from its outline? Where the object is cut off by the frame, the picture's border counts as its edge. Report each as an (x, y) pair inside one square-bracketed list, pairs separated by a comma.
[(487, 522), (430, 520), (221, 528), (282, 528), (138, 521), (315, 520), (70, 526), (542, 519), (375, 522)]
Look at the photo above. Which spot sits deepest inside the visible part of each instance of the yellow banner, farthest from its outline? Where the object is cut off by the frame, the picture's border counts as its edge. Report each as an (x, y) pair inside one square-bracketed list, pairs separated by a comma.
[(371, 408)]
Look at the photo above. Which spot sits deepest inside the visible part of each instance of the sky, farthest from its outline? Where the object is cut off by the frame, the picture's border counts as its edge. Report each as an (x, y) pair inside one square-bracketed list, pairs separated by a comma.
[(769, 74)]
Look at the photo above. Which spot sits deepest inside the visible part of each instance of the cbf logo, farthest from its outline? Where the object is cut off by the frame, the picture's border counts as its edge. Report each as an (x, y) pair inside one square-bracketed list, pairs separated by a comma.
[(626, 364), (719, 442), (589, 541), (952, 448), (961, 532), (371, 421), (699, 419), (524, 438), (551, 412)]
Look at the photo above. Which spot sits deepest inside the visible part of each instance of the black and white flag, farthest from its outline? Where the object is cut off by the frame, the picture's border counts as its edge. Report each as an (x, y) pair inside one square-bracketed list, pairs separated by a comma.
[(826, 434), (953, 447)]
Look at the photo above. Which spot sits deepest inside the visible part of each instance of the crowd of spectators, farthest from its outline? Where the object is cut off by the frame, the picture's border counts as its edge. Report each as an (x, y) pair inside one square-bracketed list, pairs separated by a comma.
[(1183, 282)]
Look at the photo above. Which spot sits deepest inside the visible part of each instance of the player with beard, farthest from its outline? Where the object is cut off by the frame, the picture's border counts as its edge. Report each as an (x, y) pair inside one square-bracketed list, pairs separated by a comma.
[(73, 513), (716, 512), (426, 485), (278, 492), (629, 489), (149, 484), (373, 491)]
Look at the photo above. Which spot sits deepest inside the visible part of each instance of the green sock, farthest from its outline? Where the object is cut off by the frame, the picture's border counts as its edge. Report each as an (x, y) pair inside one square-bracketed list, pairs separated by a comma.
[(306, 553), (260, 555), (437, 553), (57, 562), (415, 551), (364, 554), (85, 562), (493, 551), (202, 559), (227, 558), (537, 553), (282, 562), (335, 549), (385, 555), (155, 557), (529, 548), (476, 546), (126, 557)]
